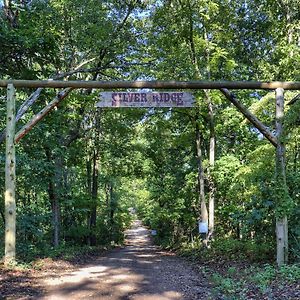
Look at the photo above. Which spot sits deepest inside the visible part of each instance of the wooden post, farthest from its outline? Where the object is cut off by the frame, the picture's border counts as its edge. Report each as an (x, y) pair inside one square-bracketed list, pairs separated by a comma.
[(281, 223), (10, 179), (282, 241)]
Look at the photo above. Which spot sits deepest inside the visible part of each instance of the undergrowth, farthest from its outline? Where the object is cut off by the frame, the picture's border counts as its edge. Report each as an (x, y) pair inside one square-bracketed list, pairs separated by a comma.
[(228, 249), (241, 270), (29, 259), (257, 282)]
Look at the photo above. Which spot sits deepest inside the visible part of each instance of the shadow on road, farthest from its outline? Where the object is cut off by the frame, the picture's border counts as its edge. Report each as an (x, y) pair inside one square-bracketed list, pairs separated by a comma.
[(139, 271)]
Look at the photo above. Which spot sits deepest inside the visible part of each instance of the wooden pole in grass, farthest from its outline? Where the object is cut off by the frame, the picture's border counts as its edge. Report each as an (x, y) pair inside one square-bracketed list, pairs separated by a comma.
[(10, 179), (281, 222)]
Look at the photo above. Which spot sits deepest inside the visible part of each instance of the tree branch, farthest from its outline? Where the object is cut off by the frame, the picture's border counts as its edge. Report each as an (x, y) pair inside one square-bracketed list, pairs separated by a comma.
[(10, 14)]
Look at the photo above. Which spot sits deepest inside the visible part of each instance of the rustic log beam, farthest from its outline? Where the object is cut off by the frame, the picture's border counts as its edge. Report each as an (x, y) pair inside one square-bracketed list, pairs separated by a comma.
[(251, 117), (39, 116), (152, 84), (10, 179)]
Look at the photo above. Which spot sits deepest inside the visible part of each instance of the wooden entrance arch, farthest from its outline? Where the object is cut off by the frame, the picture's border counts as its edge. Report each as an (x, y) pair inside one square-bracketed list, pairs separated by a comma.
[(12, 137)]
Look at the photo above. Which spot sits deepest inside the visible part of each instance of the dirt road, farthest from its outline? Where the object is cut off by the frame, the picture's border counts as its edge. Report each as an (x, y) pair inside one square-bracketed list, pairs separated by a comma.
[(139, 271)]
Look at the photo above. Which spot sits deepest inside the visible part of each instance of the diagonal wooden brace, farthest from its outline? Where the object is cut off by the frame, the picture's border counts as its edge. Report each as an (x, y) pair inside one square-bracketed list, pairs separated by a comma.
[(251, 117), (38, 117)]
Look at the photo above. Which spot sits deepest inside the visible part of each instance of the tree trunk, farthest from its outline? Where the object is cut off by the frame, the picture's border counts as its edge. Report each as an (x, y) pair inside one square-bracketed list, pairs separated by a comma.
[(89, 192), (107, 194), (112, 204), (203, 208), (55, 207), (198, 75), (212, 146), (93, 186), (111, 208), (3, 218), (10, 14), (54, 199), (289, 11), (94, 196)]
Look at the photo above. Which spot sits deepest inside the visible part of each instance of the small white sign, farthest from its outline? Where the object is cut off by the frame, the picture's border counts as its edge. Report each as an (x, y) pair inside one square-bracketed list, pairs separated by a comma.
[(143, 99), (203, 227), (153, 232)]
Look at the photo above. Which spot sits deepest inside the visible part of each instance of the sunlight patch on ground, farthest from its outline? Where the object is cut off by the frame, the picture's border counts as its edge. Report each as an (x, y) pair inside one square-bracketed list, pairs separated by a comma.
[(125, 278), (169, 295), (125, 288), (120, 259), (146, 255), (78, 276)]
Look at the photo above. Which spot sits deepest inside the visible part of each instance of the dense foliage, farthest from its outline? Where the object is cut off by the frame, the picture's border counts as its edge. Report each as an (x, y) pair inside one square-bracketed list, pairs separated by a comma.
[(81, 170)]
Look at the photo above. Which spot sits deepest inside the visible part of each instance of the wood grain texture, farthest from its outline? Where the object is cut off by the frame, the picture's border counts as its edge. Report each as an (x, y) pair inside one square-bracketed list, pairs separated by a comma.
[(145, 99), (171, 84), (10, 179)]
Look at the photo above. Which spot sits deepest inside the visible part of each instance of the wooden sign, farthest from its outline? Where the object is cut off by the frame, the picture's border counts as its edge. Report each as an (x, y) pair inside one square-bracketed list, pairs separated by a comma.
[(143, 99)]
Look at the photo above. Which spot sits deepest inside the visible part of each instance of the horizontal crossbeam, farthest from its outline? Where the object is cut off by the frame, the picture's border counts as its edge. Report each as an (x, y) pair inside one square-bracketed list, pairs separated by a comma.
[(152, 84)]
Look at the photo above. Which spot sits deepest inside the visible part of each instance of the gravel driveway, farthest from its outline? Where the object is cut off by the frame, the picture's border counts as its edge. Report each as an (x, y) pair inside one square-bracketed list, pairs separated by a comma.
[(139, 271)]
